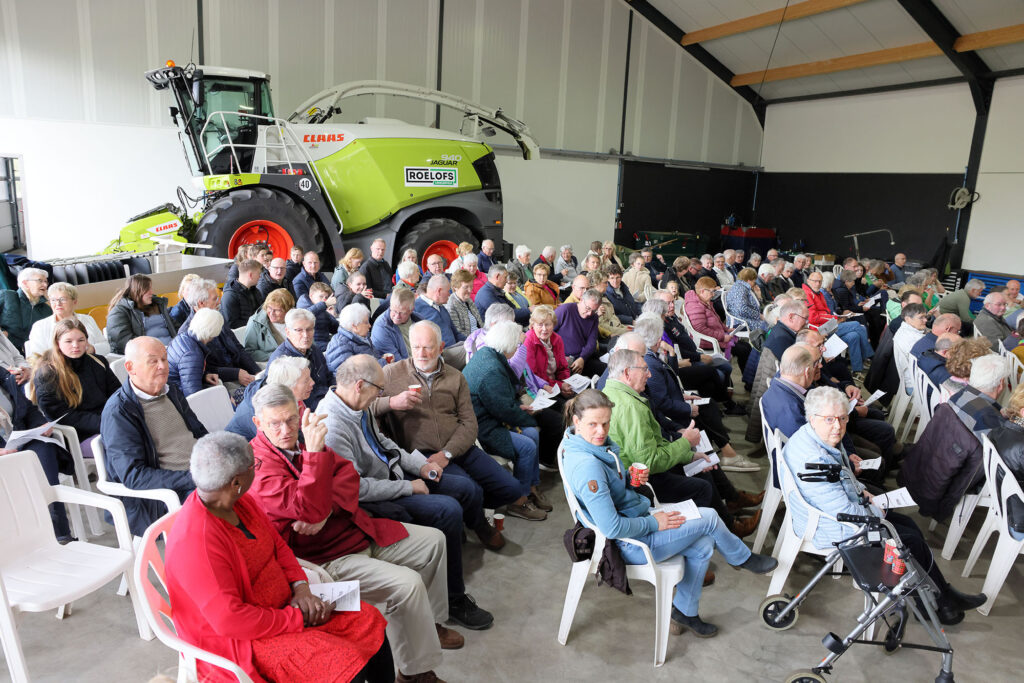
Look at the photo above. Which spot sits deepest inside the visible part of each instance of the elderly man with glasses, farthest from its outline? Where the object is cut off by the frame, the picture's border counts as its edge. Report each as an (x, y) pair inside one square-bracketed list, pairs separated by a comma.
[(577, 325), (990, 322), (299, 328), (821, 441), (20, 308)]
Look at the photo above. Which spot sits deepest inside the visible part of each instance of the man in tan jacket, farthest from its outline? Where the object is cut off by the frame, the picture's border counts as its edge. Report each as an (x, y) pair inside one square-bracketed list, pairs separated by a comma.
[(443, 426)]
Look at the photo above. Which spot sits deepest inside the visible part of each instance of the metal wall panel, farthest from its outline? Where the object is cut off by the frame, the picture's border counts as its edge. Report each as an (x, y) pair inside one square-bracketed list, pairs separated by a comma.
[(9, 68), (118, 30), (458, 60), (51, 59), (497, 74), (582, 91), (355, 52), (722, 130), (691, 96), (299, 71), (543, 63), (237, 33), (410, 55), (649, 113)]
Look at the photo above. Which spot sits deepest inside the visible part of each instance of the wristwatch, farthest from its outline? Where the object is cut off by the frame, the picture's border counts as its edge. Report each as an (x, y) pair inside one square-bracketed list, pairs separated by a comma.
[(447, 454)]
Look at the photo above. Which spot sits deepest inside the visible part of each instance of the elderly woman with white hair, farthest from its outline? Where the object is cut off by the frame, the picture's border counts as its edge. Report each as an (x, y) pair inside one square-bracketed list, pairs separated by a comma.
[(495, 314), (520, 265), (352, 339), (288, 371), (505, 427), (820, 441), (20, 308), (249, 599), (188, 352), (469, 264), (407, 275), (63, 298)]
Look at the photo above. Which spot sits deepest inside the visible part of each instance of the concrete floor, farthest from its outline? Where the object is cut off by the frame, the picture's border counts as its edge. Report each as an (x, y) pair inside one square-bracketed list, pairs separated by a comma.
[(612, 635)]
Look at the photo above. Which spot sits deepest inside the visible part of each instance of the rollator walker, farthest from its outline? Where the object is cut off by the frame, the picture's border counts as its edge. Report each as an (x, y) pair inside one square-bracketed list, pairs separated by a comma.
[(889, 594)]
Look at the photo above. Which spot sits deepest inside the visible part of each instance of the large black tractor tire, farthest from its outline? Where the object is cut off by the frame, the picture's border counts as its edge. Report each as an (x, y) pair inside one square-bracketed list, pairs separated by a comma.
[(430, 235), (289, 222)]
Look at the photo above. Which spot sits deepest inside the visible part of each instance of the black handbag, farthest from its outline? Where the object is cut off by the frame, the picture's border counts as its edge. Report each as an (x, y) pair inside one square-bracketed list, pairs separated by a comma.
[(579, 543)]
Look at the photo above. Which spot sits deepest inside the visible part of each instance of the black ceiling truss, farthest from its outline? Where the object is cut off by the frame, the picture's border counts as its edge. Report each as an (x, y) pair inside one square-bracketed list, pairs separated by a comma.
[(668, 27)]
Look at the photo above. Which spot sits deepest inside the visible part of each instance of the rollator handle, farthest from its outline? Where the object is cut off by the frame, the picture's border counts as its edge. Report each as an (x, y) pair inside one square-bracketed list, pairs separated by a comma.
[(856, 519)]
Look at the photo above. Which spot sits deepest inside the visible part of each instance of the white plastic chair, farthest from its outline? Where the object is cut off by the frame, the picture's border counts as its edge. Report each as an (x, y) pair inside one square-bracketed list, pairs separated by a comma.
[(240, 334), (167, 496), (117, 367), (926, 398), (213, 407), (900, 405), (773, 442), (148, 577), (730, 319), (81, 480), (1002, 486), (699, 338), (38, 574), (663, 576), (1016, 370)]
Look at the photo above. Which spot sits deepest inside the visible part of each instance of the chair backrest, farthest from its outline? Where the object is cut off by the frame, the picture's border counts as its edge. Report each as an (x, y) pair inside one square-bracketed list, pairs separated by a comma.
[(1000, 480), (574, 505), (837, 270), (117, 367), (1016, 370), (773, 442), (213, 407), (99, 457), (99, 314), (697, 336), (240, 334), (24, 496)]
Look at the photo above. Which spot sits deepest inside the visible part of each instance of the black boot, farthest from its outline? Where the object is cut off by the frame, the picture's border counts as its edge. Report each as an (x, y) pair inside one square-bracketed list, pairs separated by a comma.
[(963, 600)]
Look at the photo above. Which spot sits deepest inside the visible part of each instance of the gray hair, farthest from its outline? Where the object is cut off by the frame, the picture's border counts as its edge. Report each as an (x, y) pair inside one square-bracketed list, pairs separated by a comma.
[(469, 258), (793, 307), (771, 313), (992, 297), (358, 367), (407, 269), (199, 292), (729, 252), (795, 360), (622, 359), (817, 400), (206, 324), (272, 396), (548, 251), (650, 327), (437, 282), (848, 276), (564, 247), (504, 336), (827, 279), (286, 370), (64, 288), (352, 315), (917, 279), (217, 458), (429, 324), (629, 341), (988, 371), (755, 255), (497, 313), (495, 270), (972, 284), (522, 250), (26, 273), (591, 295), (765, 268), (658, 307), (296, 314)]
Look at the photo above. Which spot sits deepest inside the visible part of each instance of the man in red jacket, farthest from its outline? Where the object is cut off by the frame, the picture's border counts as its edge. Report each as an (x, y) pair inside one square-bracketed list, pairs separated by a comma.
[(311, 495)]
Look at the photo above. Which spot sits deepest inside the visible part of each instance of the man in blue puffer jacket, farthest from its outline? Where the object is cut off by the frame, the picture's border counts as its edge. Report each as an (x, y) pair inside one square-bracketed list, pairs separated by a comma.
[(188, 352), (353, 337)]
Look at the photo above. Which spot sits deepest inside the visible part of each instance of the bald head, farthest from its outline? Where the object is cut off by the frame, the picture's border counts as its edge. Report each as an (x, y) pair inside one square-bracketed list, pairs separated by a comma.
[(947, 322), (945, 343), (145, 361), (797, 364)]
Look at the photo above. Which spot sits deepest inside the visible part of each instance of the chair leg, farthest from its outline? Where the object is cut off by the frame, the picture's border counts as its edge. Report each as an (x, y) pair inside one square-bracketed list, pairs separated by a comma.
[(64, 611), (769, 507), (957, 524), (663, 593), (778, 539), (987, 529), (1007, 550), (932, 524), (577, 579), (12, 645), (790, 546), (145, 632)]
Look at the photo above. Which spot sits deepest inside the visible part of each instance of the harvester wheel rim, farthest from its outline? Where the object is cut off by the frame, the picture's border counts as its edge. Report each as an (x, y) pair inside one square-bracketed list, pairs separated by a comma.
[(447, 249), (261, 230)]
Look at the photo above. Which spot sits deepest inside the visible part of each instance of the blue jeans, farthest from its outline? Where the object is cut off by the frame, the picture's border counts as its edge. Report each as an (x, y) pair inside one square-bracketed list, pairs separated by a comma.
[(696, 541), (527, 468), (496, 484), (856, 337)]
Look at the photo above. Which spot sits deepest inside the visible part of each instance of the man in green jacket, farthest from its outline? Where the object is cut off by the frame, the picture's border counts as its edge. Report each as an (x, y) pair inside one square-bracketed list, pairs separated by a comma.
[(959, 302)]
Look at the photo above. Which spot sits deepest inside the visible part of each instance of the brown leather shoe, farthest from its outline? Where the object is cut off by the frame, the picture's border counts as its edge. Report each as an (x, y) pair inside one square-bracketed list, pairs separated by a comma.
[(744, 499), (425, 677), (709, 578), (450, 640), (745, 526), (490, 537)]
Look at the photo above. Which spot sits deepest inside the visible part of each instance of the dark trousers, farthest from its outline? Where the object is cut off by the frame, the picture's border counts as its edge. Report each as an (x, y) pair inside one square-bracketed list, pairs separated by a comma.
[(912, 537), (709, 418), (705, 380), (551, 426), (445, 513), (741, 351), (673, 487), (48, 458), (380, 668), (497, 485), (592, 366)]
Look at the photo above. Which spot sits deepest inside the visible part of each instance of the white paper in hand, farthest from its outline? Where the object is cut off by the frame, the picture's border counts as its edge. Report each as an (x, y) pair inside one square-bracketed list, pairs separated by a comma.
[(834, 346), (541, 402), (853, 404), (604, 358), (872, 464), (699, 401), (687, 509), (344, 594), (700, 464), (874, 397), (20, 437), (900, 498), (705, 444), (578, 383)]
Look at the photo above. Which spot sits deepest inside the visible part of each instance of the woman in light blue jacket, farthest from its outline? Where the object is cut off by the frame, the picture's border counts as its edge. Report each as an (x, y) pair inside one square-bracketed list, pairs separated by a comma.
[(595, 474)]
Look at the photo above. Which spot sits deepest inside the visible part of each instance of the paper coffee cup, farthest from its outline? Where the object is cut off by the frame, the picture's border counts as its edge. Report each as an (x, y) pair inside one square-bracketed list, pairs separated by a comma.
[(635, 470), (389, 357), (499, 521), (416, 387)]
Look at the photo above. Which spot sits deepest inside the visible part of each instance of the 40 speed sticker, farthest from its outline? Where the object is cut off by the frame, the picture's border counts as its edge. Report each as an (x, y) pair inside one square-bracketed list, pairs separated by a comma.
[(428, 176)]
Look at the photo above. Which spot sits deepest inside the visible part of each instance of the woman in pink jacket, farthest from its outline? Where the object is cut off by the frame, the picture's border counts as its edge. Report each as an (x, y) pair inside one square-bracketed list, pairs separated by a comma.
[(704, 319)]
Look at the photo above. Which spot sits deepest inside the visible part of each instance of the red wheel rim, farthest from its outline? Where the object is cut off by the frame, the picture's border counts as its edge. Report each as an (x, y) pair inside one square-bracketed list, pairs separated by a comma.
[(265, 231), (444, 248)]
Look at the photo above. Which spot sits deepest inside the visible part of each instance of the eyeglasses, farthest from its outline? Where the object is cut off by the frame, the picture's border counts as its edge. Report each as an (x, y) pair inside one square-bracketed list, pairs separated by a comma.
[(276, 425), (638, 367), (380, 389), (830, 420), (61, 300), (43, 280)]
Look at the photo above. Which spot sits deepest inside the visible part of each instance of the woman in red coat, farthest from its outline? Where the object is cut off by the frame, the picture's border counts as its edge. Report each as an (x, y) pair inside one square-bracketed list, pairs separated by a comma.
[(237, 590), (545, 352)]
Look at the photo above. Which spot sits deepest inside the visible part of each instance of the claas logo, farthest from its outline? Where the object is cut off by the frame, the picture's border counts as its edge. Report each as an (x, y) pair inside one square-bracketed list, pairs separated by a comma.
[(329, 137)]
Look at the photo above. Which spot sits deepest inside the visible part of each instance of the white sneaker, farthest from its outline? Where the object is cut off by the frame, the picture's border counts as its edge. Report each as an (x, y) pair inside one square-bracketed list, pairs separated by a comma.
[(739, 463)]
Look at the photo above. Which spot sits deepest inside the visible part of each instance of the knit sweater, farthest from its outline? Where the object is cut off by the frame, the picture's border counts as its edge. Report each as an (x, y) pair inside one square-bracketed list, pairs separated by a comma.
[(579, 334)]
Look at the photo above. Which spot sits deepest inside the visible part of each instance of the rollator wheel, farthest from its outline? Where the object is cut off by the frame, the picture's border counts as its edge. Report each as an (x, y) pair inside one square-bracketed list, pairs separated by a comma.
[(770, 609), (805, 676)]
